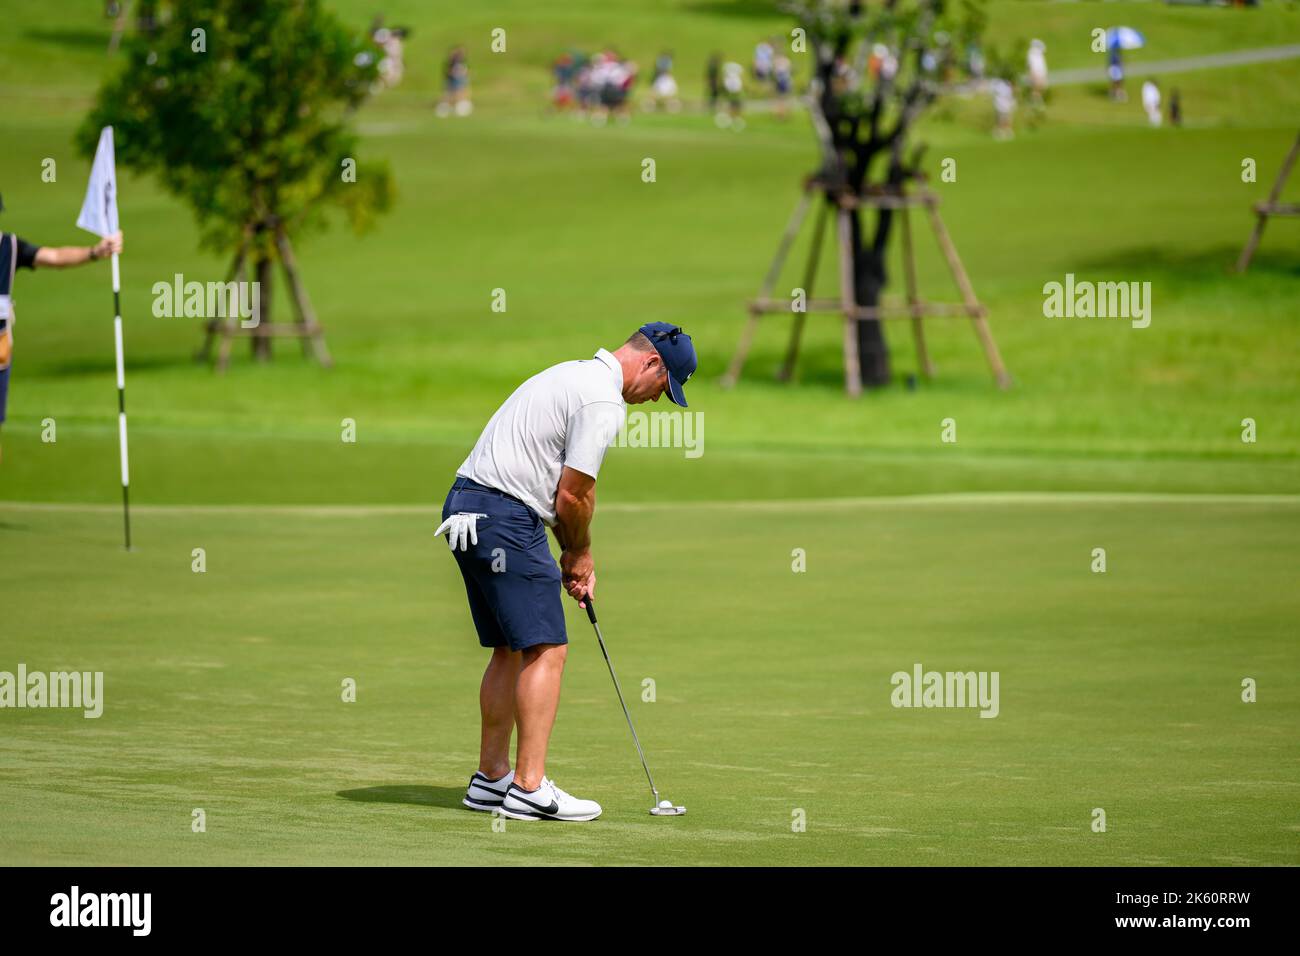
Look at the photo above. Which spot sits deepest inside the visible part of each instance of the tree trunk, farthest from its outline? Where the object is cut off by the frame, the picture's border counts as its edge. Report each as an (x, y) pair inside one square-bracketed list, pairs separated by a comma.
[(262, 334), (868, 286)]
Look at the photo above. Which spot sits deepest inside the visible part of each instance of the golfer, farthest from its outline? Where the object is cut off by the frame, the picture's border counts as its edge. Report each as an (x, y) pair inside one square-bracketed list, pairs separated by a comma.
[(15, 254), (535, 466)]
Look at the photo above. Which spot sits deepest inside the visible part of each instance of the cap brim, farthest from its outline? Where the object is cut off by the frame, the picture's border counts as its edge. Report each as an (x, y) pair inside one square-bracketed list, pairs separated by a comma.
[(675, 392)]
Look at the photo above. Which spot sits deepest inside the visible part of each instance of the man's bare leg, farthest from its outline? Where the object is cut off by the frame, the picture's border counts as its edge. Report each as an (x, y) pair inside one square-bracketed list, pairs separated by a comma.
[(537, 697), (496, 702)]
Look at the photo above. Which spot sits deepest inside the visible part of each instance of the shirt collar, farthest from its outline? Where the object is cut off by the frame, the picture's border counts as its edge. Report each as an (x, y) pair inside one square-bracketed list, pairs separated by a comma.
[(606, 356)]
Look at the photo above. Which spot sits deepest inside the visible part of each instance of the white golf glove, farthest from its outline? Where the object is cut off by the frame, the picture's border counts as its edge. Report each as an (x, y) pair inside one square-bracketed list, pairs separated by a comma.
[(461, 526)]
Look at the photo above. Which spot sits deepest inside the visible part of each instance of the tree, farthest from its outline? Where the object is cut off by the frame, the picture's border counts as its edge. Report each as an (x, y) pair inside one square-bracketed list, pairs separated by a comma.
[(241, 109), (877, 66)]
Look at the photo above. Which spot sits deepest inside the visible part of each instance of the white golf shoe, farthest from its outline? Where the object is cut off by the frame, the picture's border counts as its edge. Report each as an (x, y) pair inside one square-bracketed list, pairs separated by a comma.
[(486, 794), (547, 802)]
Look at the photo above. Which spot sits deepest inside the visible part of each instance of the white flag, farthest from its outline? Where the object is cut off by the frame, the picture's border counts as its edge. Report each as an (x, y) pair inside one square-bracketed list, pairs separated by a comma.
[(99, 211)]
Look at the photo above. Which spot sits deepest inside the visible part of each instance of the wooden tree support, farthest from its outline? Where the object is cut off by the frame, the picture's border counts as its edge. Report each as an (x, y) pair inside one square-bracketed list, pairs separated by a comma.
[(226, 329), (1271, 207), (915, 309)]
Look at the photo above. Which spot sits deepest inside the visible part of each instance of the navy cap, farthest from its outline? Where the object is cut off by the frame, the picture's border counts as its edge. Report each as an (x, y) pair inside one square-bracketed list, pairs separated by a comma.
[(678, 353)]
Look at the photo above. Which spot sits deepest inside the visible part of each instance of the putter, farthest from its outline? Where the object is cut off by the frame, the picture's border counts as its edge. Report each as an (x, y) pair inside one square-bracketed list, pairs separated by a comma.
[(661, 808)]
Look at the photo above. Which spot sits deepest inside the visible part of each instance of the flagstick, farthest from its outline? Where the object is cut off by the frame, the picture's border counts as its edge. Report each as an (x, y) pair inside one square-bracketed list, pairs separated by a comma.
[(121, 401)]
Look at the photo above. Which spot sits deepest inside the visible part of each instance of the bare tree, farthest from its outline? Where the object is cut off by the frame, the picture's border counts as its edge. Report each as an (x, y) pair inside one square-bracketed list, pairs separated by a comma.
[(877, 66)]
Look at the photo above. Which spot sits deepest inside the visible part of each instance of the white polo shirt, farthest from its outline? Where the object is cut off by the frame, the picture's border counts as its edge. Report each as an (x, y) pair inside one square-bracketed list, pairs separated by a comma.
[(566, 415)]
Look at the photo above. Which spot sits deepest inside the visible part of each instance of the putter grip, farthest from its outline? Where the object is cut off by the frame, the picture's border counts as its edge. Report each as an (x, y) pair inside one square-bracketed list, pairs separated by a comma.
[(591, 608)]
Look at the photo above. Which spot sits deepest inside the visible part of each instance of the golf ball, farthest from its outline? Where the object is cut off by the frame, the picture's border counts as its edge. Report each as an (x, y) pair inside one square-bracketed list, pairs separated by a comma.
[(665, 805)]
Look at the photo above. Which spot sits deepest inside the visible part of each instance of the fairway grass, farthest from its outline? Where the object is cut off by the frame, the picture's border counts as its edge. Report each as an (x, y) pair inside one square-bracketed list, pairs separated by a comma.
[(1118, 691), (554, 212)]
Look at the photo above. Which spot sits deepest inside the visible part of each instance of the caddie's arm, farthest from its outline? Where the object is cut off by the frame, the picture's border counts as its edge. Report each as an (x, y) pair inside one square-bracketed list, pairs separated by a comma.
[(61, 257), (575, 503)]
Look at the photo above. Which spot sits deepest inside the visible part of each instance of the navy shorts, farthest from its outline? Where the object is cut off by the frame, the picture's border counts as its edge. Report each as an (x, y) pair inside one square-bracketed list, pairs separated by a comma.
[(511, 580)]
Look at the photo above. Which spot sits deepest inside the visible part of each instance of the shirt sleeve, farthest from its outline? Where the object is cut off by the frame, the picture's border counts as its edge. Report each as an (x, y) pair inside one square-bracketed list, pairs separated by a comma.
[(27, 254), (592, 429)]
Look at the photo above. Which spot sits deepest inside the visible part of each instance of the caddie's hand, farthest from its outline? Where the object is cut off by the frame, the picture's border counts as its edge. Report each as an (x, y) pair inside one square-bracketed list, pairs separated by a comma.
[(460, 528), (109, 245), (579, 573)]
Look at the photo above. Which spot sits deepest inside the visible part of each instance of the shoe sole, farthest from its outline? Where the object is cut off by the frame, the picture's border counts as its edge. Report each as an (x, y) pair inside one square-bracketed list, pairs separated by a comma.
[(480, 805), (516, 815)]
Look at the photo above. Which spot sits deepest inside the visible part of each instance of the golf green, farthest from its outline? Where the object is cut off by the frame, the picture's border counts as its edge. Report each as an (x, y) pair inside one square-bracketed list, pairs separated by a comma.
[(771, 719)]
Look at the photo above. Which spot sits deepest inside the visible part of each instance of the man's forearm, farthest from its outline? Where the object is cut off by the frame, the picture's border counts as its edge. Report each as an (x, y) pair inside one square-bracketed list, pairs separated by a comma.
[(60, 257), (573, 521)]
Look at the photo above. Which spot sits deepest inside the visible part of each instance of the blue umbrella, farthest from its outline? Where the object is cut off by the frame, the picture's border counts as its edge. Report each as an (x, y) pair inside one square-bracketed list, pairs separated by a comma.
[(1126, 38)]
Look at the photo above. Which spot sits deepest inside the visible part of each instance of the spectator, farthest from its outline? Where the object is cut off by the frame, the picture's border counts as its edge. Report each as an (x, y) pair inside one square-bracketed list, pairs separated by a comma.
[(713, 81), (392, 67), (1115, 70), (783, 77), (663, 87), (1151, 101), (16, 253), (733, 84), (763, 61), (1004, 107), (455, 97), (1037, 63), (565, 73), (605, 88)]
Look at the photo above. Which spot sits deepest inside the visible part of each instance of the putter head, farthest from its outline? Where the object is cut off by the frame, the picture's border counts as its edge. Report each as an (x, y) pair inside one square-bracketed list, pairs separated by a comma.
[(668, 811)]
